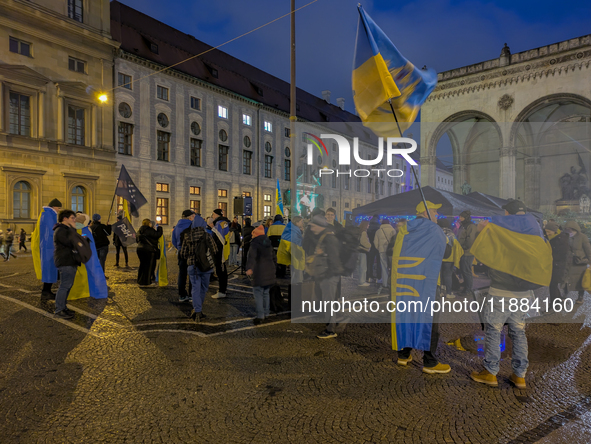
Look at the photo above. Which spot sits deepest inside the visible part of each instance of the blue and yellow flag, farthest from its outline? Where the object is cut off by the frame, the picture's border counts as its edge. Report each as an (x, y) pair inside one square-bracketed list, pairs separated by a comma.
[(290, 249), (90, 278), (456, 254), (42, 246), (279, 200), (162, 272), (416, 263), (381, 73), (515, 245)]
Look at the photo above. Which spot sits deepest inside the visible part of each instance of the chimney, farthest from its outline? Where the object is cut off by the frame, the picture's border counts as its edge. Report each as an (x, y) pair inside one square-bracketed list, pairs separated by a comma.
[(341, 102), (326, 95)]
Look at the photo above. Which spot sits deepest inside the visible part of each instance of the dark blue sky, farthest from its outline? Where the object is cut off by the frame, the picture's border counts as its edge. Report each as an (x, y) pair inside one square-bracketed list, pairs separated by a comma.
[(443, 34)]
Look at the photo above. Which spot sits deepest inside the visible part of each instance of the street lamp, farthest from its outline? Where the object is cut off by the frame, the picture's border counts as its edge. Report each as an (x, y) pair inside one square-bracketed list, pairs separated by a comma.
[(102, 98)]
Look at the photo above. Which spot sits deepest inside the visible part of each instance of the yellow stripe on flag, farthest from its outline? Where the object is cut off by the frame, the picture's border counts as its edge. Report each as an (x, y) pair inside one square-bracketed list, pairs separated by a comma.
[(372, 85)]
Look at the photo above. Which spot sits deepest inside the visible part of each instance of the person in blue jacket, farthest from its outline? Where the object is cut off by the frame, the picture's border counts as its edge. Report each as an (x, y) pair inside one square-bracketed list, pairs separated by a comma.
[(180, 229), (222, 225)]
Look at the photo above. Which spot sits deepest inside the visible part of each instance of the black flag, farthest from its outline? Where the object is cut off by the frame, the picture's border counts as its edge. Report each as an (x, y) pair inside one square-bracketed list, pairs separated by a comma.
[(128, 191)]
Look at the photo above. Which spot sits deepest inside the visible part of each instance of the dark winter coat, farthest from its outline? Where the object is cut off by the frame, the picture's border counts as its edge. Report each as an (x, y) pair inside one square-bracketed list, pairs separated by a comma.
[(581, 254), (560, 253), (100, 233), (467, 236), (9, 238), (64, 244), (147, 238), (237, 230), (262, 261), (331, 247)]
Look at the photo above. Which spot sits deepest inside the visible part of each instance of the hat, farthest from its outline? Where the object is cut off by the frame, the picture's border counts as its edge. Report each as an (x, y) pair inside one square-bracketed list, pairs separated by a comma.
[(9, 229), (55, 203), (96, 217), (188, 213), (278, 218), (319, 220), (81, 219), (218, 211), (465, 214), (552, 226), (514, 207), (430, 205)]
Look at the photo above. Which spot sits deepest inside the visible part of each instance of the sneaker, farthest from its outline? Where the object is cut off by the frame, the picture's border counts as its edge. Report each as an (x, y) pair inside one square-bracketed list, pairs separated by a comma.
[(326, 335), (219, 295), (365, 284), (485, 377), (517, 381), (439, 368), (64, 314), (404, 361), (185, 298), (70, 312), (258, 321)]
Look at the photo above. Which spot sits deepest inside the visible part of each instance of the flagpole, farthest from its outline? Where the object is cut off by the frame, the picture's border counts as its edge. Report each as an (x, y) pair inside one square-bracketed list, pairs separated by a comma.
[(411, 166), (112, 202)]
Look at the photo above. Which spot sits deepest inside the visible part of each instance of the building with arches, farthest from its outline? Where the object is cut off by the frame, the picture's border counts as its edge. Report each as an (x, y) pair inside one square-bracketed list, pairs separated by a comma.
[(517, 124)]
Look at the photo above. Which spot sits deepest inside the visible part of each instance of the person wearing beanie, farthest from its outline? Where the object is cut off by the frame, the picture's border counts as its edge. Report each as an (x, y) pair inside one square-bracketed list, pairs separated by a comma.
[(181, 229), (260, 265), (100, 233), (466, 237), (560, 251), (222, 226), (42, 247), (9, 239)]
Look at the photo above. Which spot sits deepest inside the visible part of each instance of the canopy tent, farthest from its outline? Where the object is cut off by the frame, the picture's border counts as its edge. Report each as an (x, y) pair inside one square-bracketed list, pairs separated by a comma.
[(405, 204), (499, 202)]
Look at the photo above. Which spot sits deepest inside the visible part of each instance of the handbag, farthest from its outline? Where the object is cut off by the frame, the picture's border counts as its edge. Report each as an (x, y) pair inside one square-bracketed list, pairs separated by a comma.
[(586, 281), (317, 264)]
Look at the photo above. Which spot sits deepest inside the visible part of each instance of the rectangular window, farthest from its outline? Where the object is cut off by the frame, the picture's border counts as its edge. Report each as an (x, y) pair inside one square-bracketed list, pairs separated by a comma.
[(358, 185), (287, 132), (196, 103), (382, 187), (75, 125), (223, 206), (389, 188), (20, 47), (76, 65), (162, 211), (124, 80), (334, 180), (195, 205), (246, 194), (346, 204), (334, 203), (246, 119), (75, 10), (223, 158), (268, 166), (222, 112), (268, 126), (163, 146), (334, 147), (162, 187), (222, 193), (346, 182), (267, 198), (162, 92), (195, 191), (369, 185), (266, 210), (246, 162), (125, 138), (287, 170), (196, 152), (20, 114)]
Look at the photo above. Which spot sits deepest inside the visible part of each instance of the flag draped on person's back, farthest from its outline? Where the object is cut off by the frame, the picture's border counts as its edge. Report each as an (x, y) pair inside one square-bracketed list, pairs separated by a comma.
[(128, 191), (416, 262), (90, 277), (290, 248), (381, 73), (42, 246), (162, 272), (515, 245)]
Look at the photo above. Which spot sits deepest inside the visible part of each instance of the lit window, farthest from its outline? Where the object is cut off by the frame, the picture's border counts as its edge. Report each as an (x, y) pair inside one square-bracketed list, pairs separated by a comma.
[(266, 210), (20, 114), (223, 158), (162, 211), (119, 204), (196, 152), (20, 47), (246, 119), (222, 112), (222, 193), (163, 145), (124, 80), (223, 206), (162, 92), (125, 138), (76, 65), (246, 194), (76, 125), (195, 103), (268, 166), (246, 162), (267, 198), (162, 187), (75, 10), (21, 200), (195, 205), (195, 191), (268, 126)]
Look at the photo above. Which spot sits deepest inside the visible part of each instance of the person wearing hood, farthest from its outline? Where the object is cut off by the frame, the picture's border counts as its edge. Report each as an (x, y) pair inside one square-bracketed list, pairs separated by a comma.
[(64, 261), (260, 264), (100, 233), (373, 254), (9, 239), (381, 240), (559, 241), (42, 247), (466, 237), (147, 252), (581, 252), (246, 239), (222, 226), (180, 230)]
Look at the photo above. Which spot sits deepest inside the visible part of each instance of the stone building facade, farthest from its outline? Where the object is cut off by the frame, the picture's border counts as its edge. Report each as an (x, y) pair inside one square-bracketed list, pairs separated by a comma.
[(56, 138), (445, 178), (516, 123)]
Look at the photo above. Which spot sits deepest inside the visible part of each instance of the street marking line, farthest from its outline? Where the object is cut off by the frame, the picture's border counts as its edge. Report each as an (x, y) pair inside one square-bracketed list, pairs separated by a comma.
[(249, 327), (10, 275), (5, 286), (25, 291), (196, 333)]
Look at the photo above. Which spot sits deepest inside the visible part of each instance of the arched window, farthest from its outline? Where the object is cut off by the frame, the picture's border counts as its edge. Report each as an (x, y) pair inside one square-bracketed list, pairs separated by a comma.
[(78, 197), (22, 200)]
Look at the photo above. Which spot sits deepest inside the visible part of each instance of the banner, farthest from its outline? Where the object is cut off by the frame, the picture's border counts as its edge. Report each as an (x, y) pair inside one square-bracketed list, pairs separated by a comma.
[(124, 230), (128, 191)]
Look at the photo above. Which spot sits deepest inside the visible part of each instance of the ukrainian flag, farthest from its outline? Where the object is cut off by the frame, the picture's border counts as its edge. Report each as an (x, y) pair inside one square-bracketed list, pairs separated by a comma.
[(381, 73), (416, 263), (162, 272), (42, 246), (515, 245), (90, 278), (290, 248), (456, 254), (279, 200)]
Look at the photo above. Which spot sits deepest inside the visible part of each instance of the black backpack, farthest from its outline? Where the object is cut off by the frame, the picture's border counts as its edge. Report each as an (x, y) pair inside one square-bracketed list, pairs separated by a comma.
[(200, 246), (203, 257), (349, 239), (81, 251)]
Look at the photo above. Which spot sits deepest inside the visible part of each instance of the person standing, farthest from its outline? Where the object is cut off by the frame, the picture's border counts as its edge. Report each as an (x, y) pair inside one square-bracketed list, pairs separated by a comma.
[(561, 258), (2, 253), (42, 247), (65, 261), (147, 252), (466, 237), (235, 241), (274, 233), (119, 246), (8, 240), (22, 239), (260, 264), (447, 267), (246, 239), (581, 253), (373, 254), (222, 226), (382, 239), (181, 229), (331, 218), (364, 247), (100, 233)]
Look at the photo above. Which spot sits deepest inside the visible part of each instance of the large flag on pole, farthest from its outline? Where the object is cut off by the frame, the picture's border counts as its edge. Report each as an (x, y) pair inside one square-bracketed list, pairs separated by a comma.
[(381, 73), (128, 191), (279, 200)]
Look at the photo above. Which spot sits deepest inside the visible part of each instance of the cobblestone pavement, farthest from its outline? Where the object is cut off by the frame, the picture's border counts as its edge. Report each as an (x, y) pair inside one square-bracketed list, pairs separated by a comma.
[(133, 368)]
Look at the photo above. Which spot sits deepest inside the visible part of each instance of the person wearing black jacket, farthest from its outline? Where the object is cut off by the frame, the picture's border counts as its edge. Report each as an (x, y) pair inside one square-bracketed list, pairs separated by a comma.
[(260, 264), (100, 233), (22, 239), (246, 240), (9, 239), (147, 252), (64, 260), (373, 254), (560, 252)]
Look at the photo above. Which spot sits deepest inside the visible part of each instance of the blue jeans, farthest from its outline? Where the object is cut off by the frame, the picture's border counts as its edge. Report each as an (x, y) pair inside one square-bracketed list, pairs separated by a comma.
[(262, 301), (362, 267), (494, 322), (466, 270), (233, 260), (102, 255), (67, 275), (199, 285)]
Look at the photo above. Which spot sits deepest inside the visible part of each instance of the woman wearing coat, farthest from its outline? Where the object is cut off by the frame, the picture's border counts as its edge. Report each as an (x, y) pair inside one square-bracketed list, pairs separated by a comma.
[(581, 257), (147, 252), (260, 264)]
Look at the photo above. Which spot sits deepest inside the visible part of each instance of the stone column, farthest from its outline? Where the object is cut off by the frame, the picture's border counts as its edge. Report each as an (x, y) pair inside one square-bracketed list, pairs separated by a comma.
[(94, 126), (507, 173), (41, 115), (532, 182), (2, 111), (428, 171)]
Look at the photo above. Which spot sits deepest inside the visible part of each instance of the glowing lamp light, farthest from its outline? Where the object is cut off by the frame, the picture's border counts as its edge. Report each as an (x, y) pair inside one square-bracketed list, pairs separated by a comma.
[(158, 218), (102, 98)]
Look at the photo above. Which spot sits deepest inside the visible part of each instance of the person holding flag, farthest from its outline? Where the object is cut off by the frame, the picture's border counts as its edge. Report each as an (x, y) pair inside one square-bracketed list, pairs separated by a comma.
[(222, 225), (419, 250), (519, 260), (42, 247)]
